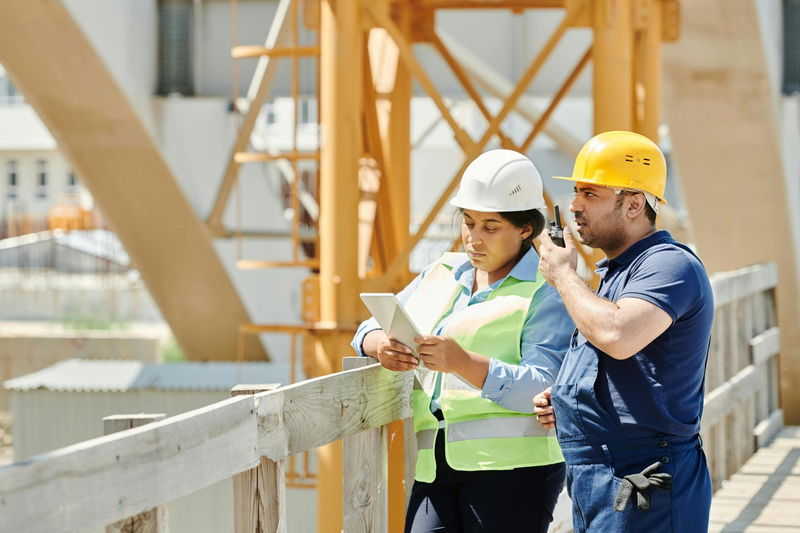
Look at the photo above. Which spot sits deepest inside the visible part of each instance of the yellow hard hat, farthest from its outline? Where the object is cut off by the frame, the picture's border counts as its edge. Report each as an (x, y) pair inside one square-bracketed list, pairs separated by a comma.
[(622, 159)]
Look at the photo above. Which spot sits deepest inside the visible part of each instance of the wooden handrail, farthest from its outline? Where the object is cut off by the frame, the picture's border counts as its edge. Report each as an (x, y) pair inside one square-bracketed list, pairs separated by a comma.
[(103, 480), (100, 481)]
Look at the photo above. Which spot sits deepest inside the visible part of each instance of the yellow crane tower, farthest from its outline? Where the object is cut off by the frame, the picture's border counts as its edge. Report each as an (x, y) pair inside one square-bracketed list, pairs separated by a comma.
[(366, 70)]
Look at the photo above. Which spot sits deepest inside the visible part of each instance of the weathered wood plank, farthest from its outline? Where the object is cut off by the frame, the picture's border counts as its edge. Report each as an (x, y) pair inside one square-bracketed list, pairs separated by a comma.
[(100, 481), (766, 430), (153, 520), (731, 286), (259, 494), (259, 498), (325, 409), (765, 345), (117, 423), (720, 401), (364, 495)]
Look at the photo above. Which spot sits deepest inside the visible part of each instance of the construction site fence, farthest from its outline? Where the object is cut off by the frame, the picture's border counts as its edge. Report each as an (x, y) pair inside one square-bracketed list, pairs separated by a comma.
[(249, 436)]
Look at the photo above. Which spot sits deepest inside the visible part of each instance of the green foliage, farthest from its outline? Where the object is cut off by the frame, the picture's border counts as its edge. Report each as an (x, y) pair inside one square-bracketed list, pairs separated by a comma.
[(172, 352), (91, 322)]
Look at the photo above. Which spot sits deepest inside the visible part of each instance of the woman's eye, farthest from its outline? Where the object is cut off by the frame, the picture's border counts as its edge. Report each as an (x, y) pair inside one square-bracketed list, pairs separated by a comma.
[(490, 230)]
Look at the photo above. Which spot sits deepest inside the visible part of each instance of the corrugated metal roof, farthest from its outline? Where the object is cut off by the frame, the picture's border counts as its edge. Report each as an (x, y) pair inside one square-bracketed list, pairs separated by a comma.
[(87, 375)]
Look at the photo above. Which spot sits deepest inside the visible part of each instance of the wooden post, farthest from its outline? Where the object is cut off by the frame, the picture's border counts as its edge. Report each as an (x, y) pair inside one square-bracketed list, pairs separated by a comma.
[(364, 494), (153, 520), (259, 494)]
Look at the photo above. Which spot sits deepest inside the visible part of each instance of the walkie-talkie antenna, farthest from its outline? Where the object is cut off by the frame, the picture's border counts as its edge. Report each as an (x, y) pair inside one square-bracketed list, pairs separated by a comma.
[(558, 216)]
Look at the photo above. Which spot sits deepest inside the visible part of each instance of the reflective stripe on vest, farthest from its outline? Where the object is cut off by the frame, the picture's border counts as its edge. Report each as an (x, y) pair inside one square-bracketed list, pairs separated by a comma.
[(480, 434)]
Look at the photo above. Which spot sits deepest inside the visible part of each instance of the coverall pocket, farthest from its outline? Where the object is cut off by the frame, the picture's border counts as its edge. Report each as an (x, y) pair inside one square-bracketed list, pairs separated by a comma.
[(565, 407), (658, 517)]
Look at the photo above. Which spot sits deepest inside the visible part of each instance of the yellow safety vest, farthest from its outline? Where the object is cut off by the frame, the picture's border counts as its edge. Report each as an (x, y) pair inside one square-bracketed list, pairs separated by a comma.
[(479, 433)]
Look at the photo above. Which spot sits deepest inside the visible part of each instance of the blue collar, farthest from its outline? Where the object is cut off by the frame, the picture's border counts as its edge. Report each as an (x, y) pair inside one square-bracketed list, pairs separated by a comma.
[(634, 250)]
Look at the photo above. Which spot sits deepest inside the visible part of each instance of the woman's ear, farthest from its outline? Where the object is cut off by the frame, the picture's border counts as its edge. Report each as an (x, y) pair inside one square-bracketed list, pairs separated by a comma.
[(526, 232)]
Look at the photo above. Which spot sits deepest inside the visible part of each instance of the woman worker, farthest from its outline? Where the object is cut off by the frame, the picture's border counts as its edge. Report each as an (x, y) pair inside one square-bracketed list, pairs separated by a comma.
[(499, 334)]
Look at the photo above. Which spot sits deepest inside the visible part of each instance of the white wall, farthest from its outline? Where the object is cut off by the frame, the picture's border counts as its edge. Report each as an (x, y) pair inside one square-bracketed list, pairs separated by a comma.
[(787, 108), (124, 33)]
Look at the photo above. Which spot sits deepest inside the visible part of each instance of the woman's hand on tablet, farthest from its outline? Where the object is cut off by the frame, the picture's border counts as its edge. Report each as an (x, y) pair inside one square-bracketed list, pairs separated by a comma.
[(392, 354)]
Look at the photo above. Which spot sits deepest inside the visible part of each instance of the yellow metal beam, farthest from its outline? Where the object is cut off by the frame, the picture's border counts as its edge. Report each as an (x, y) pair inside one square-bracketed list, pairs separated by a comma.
[(252, 51), (341, 94), (647, 67), (487, 4), (612, 73), (76, 96)]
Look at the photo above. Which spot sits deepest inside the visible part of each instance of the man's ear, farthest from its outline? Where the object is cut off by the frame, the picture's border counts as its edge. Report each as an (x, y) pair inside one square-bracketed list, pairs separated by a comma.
[(636, 205)]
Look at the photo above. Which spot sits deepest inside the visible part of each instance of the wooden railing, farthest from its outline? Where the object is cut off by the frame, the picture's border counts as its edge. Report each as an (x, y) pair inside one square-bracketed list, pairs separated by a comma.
[(104, 480), (741, 409)]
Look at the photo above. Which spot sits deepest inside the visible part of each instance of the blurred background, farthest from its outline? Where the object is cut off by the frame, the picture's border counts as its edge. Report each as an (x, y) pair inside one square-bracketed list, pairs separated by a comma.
[(193, 192)]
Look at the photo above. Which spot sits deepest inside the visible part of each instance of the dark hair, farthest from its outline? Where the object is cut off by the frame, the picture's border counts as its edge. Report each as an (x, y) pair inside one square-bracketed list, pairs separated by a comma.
[(532, 217), (648, 211)]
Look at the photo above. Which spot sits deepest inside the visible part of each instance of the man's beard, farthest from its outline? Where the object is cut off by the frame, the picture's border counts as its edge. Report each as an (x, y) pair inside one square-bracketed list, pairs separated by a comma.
[(610, 237)]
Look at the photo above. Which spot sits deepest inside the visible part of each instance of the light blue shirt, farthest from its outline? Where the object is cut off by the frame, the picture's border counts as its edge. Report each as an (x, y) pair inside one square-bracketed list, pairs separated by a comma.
[(545, 335)]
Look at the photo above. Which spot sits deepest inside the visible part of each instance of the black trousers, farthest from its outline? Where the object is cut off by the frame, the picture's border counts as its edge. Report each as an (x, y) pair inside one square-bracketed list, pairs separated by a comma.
[(496, 501)]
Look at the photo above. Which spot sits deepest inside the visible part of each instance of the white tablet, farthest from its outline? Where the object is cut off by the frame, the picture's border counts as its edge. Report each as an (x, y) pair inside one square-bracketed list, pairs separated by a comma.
[(391, 317)]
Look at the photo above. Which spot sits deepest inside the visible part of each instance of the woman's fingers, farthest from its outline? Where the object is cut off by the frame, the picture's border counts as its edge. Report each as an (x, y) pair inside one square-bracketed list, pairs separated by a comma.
[(396, 356), (399, 347)]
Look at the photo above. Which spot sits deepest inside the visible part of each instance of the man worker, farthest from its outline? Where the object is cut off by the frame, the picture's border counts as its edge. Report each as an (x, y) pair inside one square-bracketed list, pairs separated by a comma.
[(628, 399)]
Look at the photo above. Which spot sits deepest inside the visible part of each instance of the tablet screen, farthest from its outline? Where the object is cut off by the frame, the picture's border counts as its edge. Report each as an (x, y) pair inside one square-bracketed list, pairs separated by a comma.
[(391, 317)]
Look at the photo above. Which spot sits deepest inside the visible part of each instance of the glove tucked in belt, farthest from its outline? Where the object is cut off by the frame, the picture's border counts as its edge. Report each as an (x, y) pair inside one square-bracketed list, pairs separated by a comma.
[(642, 483)]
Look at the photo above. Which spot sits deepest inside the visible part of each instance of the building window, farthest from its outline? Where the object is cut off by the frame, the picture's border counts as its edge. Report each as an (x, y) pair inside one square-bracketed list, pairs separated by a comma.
[(72, 181), (175, 47), (308, 111), (8, 93), (791, 47), (13, 179), (41, 178)]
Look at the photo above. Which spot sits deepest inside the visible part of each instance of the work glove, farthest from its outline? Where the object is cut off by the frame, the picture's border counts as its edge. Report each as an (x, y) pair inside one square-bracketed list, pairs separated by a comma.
[(642, 483)]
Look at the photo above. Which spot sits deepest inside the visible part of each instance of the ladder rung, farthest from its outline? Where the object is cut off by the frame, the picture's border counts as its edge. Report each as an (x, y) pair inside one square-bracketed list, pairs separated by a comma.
[(252, 264), (249, 51), (256, 157)]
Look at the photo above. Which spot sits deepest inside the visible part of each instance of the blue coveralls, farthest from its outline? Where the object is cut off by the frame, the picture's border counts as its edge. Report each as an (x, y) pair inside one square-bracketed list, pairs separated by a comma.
[(617, 417)]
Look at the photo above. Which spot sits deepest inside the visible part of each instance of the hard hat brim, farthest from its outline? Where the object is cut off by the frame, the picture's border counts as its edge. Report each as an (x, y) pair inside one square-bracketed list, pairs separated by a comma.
[(487, 209), (595, 182)]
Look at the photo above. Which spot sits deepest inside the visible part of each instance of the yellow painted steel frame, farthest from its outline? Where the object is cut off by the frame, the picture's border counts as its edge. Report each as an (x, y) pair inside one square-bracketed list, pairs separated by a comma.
[(366, 69)]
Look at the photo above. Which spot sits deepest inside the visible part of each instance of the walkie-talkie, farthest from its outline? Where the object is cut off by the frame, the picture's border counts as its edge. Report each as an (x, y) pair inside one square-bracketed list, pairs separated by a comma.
[(556, 230)]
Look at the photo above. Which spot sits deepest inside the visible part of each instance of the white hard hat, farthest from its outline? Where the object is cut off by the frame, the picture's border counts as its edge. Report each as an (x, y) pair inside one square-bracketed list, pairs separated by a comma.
[(500, 181)]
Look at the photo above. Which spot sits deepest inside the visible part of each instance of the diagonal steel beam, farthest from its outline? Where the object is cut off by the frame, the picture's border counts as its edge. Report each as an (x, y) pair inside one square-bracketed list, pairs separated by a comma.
[(77, 97)]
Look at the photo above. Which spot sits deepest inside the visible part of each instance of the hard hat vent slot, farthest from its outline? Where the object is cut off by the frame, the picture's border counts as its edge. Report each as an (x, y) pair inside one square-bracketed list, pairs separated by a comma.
[(515, 190), (646, 161), (628, 158)]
